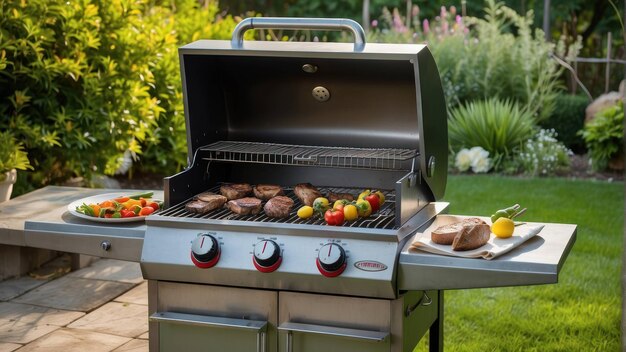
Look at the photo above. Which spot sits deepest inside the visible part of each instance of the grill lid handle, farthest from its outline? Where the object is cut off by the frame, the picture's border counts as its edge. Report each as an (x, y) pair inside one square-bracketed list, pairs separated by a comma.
[(337, 24)]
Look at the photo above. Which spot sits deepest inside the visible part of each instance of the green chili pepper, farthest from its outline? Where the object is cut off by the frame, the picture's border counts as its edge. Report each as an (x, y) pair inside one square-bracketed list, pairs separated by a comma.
[(85, 209), (116, 215), (141, 195), (508, 213)]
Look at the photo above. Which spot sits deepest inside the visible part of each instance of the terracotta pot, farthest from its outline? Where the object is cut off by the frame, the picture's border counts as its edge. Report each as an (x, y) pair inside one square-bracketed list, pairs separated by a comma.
[(6, 186)]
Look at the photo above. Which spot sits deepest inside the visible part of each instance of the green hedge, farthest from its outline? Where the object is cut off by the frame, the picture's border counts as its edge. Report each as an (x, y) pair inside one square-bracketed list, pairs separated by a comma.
[(567, 119), (89, 85)]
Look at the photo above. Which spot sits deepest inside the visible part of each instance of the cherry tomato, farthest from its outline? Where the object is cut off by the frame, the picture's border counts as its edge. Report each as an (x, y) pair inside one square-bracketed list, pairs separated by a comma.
[(334, 217), (153, 205), (143, 202), (146, 211), (127, 213)]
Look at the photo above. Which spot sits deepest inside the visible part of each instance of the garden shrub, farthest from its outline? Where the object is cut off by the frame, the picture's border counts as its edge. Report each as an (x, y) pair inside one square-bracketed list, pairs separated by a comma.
[(604, 136), (499, 56), (567, 119), (12, 154), (497, 126), (84, 83)]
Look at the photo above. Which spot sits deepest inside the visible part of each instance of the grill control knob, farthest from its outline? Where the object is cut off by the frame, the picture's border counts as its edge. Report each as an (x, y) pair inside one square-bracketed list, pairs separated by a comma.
[(205, 251), (331, 260), (266, 256)]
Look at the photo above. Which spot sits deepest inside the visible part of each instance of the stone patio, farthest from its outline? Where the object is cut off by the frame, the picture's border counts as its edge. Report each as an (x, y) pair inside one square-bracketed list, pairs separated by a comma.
[(103, 307)]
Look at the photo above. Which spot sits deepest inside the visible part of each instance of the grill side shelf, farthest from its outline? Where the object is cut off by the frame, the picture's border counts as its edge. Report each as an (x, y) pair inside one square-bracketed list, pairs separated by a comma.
[(300, 155)]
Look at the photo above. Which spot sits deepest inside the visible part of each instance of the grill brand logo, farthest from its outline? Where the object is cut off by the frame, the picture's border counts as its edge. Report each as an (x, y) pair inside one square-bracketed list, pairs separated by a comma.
[(370, 265)]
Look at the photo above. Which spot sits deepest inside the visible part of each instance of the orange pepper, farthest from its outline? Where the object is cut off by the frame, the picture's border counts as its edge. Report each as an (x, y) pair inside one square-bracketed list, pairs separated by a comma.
[(96, 209), (121, 199), (107, 204)]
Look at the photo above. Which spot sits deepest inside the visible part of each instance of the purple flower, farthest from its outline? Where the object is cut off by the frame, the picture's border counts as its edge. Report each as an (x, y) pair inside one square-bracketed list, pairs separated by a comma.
[(374, 23), (426, 26), (459, 20), (444, 12)]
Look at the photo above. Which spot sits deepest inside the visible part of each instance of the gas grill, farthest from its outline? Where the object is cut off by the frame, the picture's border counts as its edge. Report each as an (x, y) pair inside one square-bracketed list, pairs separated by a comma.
[(344, 117)]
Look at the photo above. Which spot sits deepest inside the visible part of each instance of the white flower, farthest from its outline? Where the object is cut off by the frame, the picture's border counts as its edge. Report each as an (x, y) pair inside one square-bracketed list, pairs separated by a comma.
[(463, 160), (481, 164), (475, 158), (477, 153)]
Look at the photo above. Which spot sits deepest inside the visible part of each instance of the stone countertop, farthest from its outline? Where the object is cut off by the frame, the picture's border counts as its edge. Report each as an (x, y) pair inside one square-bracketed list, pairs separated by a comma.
[(45, 204)]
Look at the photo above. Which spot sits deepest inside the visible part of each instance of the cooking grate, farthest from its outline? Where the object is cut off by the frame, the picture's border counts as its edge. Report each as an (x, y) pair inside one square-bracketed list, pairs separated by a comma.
[(285, 154), (383, 219)]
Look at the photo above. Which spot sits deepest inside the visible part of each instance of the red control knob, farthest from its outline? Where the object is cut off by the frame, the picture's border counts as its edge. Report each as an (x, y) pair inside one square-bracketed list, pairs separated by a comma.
[(205, 251), (331, 260), (267, 256)]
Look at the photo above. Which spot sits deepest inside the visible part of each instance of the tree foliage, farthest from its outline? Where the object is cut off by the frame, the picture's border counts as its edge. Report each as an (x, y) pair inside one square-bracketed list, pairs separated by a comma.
[(87, 85)]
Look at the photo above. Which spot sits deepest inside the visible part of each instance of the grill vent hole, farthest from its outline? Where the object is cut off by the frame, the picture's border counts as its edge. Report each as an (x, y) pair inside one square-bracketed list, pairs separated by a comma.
[(321, 94)]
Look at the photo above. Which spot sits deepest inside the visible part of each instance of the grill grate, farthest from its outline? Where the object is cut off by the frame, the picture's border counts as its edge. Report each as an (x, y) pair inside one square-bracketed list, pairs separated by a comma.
[(383, 219), (285, 154)]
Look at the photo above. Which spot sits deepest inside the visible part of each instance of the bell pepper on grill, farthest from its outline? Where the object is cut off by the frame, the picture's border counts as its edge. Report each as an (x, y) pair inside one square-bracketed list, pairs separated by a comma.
[(320, 205), (364, 208)]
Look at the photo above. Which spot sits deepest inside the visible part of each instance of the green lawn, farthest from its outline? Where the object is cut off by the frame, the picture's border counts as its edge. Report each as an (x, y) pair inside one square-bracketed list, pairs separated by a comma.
[(582, 311)]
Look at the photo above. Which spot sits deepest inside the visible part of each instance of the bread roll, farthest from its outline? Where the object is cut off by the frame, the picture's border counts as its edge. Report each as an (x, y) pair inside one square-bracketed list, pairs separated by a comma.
[(472, 237), (445, 234)]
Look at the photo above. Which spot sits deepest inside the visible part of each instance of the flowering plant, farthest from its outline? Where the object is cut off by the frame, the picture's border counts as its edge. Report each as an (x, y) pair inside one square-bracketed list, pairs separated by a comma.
[(544, 155), (475, 158)]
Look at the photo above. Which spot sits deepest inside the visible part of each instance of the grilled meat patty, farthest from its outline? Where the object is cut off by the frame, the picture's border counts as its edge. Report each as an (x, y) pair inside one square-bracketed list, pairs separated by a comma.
[(333, 197), (307, 193), (245, 206), (278, 207), (205, 202), (267, 192), (235, 190)]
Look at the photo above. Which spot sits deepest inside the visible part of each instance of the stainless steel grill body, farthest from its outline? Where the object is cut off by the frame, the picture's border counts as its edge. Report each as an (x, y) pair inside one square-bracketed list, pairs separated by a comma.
[(342, 117)]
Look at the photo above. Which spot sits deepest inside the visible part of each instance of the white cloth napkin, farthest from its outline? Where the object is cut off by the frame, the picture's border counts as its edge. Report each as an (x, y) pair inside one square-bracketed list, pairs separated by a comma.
[(492, 249)]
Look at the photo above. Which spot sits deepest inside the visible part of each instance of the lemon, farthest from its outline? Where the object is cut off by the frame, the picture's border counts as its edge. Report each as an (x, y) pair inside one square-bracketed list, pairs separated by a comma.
[(503, 228), (305, 212)]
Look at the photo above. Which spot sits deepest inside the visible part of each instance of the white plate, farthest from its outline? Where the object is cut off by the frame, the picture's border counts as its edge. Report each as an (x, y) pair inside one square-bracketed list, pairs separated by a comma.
[(99, 199)]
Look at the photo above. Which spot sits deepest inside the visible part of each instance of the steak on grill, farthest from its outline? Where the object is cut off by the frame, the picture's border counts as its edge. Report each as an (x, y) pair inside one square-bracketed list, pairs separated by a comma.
[(245, 206), (333, 197), (267, 192), (278, 207), (200, 207), (211, 197), (307, 193), (235, 190)]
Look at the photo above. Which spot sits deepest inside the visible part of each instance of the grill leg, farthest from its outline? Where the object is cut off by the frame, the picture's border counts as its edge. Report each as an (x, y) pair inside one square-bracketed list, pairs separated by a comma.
[(435, 343)]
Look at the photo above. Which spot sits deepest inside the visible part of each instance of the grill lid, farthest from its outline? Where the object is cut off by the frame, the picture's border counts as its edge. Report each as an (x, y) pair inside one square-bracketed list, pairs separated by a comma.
[(373, 96)]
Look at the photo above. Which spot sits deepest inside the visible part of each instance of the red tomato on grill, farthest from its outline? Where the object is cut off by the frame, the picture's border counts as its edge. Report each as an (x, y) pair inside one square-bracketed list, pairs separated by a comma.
[(374, 201), (334, 217)]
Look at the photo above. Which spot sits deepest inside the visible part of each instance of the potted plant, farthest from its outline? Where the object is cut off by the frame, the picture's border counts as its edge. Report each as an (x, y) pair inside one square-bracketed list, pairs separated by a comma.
[(12, 157)]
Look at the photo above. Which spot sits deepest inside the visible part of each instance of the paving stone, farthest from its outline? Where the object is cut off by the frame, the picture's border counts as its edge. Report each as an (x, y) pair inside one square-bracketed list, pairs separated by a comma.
[(15, 332), (29, 314), (116, 318), (8, 347), (133, 346), (10, 289), (73, 293), (138, 295), (72, 340), (144, 336), (111, 270)]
